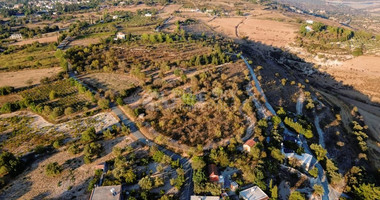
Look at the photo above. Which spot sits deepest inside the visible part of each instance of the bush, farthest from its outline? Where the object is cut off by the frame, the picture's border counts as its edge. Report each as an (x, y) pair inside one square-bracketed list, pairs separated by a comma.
[(319, 151), (6, 90), (74, 149), (9, 164), (314, 172), (296, 196), (89, 135), (69, 111), (53, 169), (104, 104), (57, 144), (357, 52)]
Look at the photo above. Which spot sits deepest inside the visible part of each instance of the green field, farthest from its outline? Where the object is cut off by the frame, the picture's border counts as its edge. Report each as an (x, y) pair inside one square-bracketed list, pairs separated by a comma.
[(30, 57)]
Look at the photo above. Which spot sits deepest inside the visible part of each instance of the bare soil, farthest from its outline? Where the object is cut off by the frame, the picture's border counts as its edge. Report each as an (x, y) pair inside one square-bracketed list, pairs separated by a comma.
[(26, 77)]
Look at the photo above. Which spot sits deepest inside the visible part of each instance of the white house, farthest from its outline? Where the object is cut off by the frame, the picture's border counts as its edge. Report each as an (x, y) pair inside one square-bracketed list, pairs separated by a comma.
[(16, 36), (309, 29), (253, 193), (120, 36), (148, 15), (309, 21), (115, 17)]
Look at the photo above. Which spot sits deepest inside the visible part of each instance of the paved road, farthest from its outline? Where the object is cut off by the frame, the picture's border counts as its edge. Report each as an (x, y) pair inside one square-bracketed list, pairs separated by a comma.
[(188, 186)]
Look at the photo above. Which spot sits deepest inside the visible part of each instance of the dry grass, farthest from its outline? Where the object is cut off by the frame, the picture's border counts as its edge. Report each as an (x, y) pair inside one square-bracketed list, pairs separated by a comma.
[(111, 81), (26, 77)]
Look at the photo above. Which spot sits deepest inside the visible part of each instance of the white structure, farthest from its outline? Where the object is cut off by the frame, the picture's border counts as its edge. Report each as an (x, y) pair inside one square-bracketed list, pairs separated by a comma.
[(309, 21), (120, 36), (204, 198), (309, 28), (115, 17), (221, 180), (253, 193), (16, 36), (148, 15)]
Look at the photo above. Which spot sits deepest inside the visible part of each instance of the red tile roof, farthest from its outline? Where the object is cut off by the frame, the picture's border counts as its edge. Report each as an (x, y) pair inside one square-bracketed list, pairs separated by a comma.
[(250, 143)]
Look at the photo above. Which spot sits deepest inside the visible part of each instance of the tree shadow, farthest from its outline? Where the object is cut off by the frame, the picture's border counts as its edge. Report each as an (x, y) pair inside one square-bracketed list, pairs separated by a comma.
[(279, 64)]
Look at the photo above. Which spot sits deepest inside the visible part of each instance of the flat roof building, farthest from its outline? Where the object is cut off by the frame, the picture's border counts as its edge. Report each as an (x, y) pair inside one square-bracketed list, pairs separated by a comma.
[(112, 192)]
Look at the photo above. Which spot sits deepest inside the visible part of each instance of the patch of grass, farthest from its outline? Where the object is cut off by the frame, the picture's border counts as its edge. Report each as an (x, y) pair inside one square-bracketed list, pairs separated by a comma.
[(43, 57)]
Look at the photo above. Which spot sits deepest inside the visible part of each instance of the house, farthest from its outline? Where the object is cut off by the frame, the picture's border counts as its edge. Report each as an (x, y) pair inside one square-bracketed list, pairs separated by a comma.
[(309, 21), (253, 193), (248, 145), (115, 17), (120, 36), (106, 193), (204, 197), (234, 186), (16, 36), (213, 173), (309, 29), (148, 15)]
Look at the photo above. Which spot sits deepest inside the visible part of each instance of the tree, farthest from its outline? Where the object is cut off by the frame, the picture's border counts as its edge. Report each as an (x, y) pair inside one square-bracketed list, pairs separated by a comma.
[(9, 164), (367, 192), (52, 95), (53, 169), (296, 196), (89, 135), (318, 190), (130, 176), (146, 183), (274, 192), (189, 99), (276, 154), (69, 111), (319, 151), (314, 172), (119, 101), (197, 163), (104, 104)]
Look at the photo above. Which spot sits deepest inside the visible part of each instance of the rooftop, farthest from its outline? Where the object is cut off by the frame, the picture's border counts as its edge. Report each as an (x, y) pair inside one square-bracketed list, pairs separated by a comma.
[(250, 143), (104, 193), (204, 198), (253, 193)]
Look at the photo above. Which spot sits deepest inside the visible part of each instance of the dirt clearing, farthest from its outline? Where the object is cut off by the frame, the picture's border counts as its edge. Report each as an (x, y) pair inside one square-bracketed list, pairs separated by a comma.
[(26, 77), (107, 81)]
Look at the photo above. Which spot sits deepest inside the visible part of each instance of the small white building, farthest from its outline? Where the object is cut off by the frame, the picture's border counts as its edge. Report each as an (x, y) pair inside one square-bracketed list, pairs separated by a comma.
[(16, 36), (309, 29), (309, 21), (120, 36), (253, 193), (148, 15), (115, 17)]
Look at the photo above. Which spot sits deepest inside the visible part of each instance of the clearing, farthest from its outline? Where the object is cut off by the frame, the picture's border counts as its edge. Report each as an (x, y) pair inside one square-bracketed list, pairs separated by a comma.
[(26, 77)]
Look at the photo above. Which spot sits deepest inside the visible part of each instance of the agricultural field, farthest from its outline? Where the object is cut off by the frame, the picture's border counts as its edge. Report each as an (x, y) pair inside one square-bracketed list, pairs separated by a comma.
[(53, 99), (33, 56), (23, 131)]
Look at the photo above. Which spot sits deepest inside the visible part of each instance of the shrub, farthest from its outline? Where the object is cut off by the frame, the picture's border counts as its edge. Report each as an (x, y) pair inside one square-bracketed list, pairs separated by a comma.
[(104, 104), (319, 151), (9, 164), (74, 149), (89, 135), (69, 111), (57, 144), (6, 90), (53, 169)]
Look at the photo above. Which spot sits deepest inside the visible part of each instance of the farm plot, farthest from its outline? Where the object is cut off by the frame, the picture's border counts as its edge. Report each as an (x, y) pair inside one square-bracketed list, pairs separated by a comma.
[(52, 99), (107, 81), (21, 132), (30, 57)]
